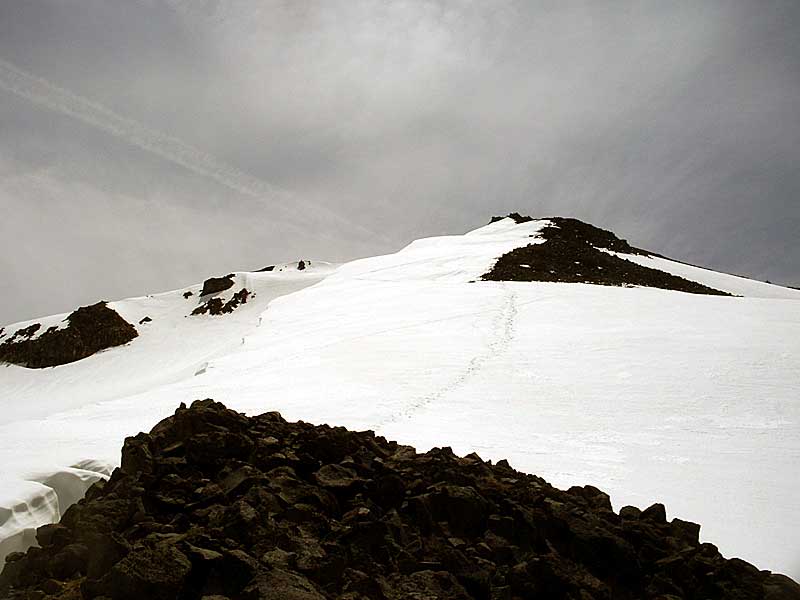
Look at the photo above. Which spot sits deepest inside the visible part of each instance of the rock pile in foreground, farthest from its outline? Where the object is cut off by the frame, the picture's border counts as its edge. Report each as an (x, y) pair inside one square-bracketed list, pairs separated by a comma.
[(212, 504)]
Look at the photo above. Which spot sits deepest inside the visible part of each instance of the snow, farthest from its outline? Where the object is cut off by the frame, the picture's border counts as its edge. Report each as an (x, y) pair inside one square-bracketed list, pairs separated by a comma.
[(25, 505), (171, 347), (651, 395), (733, 284), (36, 484)]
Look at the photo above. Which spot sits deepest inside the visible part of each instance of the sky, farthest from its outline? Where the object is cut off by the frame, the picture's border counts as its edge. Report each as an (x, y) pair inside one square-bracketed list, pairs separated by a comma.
[(149, 144)]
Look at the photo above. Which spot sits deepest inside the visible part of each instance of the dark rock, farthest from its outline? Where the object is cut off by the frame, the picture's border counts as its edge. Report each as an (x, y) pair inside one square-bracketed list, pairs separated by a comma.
[(656, 513), (301, 265), (214, 285), (145, 320), (213, 306), (15, 557), (336, 477), (69, 561), (686, 531), (425, 585), (136, 456), (571, 253), (241, 480), (606, 555), (207, 448), (105, 550), (27, 332), (595, 497), (153, 573), (237, 569), (518, 218), (281, 585), (216, 306), (780, 587), (51, 587), (465, 510), (53, 535), (213, 504), (187, 294), (89, 330), (280, 559), (202, 556), (388, 490), (630, 513)]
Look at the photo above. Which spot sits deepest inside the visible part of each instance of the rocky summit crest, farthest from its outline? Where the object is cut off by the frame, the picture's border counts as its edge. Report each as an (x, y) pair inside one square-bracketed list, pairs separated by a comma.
[(573, 251)]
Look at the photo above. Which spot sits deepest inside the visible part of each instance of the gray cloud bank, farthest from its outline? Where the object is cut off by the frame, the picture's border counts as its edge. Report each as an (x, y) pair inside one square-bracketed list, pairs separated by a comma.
[(357, 126)]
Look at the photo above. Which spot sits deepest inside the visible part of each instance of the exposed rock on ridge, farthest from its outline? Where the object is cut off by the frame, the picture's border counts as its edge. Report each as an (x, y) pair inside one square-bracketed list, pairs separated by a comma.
[(215, 504), (572, 253), (89, 330), (515, 216), (216, 306), (214, 285)]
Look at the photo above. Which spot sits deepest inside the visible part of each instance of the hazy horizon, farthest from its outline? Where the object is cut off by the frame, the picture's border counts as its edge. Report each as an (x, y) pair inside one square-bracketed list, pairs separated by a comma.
[(149, 144)]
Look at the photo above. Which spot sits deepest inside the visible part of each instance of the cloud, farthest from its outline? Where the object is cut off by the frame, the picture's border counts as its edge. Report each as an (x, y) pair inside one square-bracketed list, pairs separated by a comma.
[(674, 124), (53, 97)]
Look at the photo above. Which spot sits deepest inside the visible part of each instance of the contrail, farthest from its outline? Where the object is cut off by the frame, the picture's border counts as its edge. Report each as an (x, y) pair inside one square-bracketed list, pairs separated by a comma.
[(58, 99)]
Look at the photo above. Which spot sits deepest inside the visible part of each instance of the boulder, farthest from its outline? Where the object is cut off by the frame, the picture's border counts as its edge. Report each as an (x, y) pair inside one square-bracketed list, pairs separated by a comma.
[(215, 285), (156, 573)]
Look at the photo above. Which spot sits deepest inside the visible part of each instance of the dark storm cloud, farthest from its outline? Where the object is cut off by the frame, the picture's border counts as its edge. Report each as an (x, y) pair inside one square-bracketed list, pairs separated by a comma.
[(676, 124)]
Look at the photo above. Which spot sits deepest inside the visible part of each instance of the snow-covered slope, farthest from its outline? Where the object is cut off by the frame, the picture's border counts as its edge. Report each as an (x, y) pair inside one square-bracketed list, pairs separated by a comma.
[(651, 395), (733, 284), (37, 483)]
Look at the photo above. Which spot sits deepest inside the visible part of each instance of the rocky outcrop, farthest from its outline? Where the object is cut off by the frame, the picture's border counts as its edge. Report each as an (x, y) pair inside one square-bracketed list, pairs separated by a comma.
[(213, 504), (572, 252), (301, 265), (25, 333), (515, 216), (215, 285), (89, 329), (216, 306)]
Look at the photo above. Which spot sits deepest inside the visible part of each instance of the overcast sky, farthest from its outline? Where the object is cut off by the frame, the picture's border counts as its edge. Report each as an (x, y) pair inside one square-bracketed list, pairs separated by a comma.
[(148, 144)]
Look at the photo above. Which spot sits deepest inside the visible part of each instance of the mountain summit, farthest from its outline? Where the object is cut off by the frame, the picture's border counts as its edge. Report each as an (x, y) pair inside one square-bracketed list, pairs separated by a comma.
[(548, 342)]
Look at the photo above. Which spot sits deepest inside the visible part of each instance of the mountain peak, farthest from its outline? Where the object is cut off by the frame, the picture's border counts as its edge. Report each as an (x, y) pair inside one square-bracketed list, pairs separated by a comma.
[(571, 251)]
